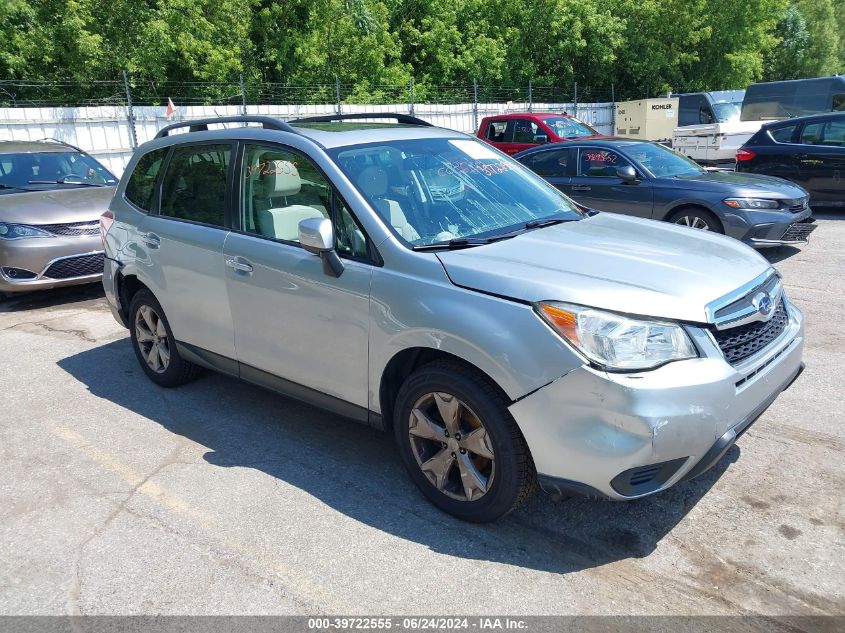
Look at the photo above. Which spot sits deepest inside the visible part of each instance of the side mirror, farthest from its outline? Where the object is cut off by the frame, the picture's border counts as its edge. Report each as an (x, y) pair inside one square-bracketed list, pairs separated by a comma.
[(317, 236), (627, 173), (541, 139)]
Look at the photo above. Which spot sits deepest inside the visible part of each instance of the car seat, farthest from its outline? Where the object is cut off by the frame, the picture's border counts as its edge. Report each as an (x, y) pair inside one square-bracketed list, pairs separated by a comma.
[(373, 182), (280, 179)]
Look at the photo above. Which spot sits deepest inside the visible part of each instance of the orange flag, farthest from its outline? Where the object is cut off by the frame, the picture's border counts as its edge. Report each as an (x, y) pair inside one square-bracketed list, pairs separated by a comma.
[(170, 108)]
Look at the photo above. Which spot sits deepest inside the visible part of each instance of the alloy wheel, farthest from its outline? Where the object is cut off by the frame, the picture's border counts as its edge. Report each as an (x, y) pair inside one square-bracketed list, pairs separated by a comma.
[(451, 446), (152, 339), (693, 221)]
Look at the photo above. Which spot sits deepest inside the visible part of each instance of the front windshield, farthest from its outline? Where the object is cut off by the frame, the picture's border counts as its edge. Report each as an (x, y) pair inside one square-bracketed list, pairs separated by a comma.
[(46, 170), (662, 162), (566, 127), (436, 190), (726, 111)]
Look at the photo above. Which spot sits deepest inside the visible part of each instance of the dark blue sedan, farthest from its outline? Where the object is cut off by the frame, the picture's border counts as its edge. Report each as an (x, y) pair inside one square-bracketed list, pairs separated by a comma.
[(648, 180)]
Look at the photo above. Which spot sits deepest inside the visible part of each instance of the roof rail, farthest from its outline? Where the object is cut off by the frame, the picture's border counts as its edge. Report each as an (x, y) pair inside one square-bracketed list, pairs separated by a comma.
[(200, 125), (328, 118), (60, 142)]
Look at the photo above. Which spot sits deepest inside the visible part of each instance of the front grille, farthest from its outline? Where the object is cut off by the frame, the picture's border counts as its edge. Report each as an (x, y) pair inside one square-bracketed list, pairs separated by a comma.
[(798, 232), (72, 228), (738, 343), (80, 266), (796, 204)]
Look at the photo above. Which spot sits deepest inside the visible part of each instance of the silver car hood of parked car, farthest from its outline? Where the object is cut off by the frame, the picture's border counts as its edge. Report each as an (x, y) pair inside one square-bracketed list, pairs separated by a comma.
[(55, 206), (613, 262)]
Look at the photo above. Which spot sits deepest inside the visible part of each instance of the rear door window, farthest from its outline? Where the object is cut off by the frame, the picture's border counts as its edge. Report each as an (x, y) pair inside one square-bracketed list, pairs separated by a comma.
[(812, 134), (196, 182), (496, 131), (140, 190), (557, 163)]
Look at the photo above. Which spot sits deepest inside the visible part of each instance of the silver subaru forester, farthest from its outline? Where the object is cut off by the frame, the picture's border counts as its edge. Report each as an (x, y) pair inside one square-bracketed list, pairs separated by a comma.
[(420, 281)]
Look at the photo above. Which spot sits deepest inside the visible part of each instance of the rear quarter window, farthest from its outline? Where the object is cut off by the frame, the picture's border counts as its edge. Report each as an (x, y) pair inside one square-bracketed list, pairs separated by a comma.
[(783, 134), (140, 190)]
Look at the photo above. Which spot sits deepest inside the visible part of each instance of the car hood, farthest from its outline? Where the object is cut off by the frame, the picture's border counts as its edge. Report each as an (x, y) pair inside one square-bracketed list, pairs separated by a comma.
[(56, 206), (613, 262), (740, 184)]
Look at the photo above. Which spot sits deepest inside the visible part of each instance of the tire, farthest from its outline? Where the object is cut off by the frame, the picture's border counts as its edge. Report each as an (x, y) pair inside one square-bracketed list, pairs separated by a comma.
[(697, 218), (484, 468), (148, 322)]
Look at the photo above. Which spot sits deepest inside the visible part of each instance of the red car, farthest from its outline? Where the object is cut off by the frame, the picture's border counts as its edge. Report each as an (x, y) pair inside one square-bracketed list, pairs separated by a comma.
[(512, 133)]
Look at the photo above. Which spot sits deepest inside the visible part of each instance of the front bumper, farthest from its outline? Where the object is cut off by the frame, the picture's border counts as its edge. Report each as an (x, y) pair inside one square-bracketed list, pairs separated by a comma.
[(761, 228), (625, 436), (36, 256)]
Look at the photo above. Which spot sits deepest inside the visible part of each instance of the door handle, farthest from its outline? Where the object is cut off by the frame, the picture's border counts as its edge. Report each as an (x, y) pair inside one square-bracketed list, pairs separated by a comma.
[(801, 156), (244, 267), (580, 187), (151, 239)]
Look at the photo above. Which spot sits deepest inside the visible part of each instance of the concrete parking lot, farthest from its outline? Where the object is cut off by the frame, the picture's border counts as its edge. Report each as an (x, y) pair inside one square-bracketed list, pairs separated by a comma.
[(119, 497)]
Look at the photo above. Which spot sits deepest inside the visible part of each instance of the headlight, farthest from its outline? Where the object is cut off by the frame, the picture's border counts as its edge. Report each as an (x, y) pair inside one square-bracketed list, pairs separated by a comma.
[(17, 231), (615, 341), (751, 203)]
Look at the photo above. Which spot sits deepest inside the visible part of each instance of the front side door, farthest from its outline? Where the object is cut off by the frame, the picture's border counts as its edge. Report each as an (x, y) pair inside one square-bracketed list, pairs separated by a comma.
[(293, 320), (182, 246), (557, 166), (522, 134), (596, 185)]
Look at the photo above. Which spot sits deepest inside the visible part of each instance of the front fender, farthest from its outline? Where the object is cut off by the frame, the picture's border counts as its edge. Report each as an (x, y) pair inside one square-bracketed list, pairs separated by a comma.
[(503, 338)]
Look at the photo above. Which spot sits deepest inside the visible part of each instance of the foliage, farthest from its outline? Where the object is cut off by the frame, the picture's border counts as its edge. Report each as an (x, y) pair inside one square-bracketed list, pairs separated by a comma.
[(643, 47)]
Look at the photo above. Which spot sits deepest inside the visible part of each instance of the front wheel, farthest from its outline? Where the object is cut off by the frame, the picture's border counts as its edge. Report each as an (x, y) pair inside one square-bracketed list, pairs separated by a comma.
[(460, 444), (696, 218)]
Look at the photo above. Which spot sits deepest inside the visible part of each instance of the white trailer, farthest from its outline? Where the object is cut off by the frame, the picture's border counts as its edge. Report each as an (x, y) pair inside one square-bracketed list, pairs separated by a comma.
[(714, 144)]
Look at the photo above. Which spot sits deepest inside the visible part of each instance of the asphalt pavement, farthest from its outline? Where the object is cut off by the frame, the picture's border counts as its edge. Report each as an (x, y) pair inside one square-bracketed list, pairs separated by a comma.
[(120, 497)]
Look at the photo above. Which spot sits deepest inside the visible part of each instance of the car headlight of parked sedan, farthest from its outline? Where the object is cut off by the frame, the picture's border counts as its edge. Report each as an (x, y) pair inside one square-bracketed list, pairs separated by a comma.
[(752, 203), (19, 231), (618, 342)]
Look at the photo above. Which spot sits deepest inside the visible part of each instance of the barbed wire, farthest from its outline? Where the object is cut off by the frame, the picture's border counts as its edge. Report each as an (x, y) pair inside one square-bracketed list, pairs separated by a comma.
[(148, 92)]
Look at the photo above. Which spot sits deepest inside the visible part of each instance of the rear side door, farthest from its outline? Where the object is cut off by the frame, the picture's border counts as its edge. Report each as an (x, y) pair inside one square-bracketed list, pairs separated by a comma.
[(596, 185), (180, 247), (822, 160), (497, 133), (557, 166), (293, 321)]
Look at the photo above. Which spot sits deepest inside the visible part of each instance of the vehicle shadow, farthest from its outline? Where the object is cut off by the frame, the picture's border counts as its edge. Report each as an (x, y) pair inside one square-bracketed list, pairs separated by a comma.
[(354, 470), (20, 302), (779, 253)]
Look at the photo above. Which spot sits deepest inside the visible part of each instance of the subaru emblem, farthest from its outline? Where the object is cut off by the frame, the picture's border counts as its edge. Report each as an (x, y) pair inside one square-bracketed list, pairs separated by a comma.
[(763, 303)]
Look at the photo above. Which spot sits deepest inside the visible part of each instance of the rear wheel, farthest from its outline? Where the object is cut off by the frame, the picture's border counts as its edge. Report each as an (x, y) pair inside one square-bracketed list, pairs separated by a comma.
[(459, 443), (697, 218), (154, 344)]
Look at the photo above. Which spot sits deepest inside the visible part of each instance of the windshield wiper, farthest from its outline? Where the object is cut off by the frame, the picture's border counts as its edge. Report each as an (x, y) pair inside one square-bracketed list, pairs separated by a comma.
[(537, 224), (462, 242), (5, 186), (63, 181)]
